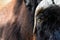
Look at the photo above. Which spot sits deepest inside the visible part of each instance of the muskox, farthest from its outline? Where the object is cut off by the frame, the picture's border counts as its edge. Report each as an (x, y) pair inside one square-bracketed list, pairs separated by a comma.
[(15, 21), (47, 20)]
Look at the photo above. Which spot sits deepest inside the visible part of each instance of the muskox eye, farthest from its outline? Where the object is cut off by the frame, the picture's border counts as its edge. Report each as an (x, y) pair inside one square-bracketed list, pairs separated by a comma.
[(38, 20)]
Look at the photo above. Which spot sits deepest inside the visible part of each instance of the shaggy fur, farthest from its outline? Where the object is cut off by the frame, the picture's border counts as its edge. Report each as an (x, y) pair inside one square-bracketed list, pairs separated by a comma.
[(48, 27), (21, 28)]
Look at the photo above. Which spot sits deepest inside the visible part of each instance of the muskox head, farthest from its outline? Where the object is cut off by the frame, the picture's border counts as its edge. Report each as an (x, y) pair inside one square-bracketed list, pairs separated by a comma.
[(47, 21)]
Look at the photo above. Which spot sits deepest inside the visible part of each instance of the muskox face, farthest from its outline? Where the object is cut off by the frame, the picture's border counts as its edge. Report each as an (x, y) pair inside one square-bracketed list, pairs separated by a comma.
[(48, 24)]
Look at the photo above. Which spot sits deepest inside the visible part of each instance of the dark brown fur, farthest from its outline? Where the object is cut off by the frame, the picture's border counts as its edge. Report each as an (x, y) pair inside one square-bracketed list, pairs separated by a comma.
[(48, 27)]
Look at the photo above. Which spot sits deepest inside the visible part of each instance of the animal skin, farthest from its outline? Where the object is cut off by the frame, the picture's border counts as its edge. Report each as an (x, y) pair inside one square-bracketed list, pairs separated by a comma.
[(15, 21), (46, 20), (48, 24)]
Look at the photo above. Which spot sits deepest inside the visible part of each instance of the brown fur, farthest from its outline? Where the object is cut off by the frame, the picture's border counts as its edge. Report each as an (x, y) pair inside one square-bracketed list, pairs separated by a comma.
[(19, 26)]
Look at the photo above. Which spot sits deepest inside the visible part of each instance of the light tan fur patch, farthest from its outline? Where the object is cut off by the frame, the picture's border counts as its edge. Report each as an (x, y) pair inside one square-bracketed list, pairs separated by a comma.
[(6, 13)]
